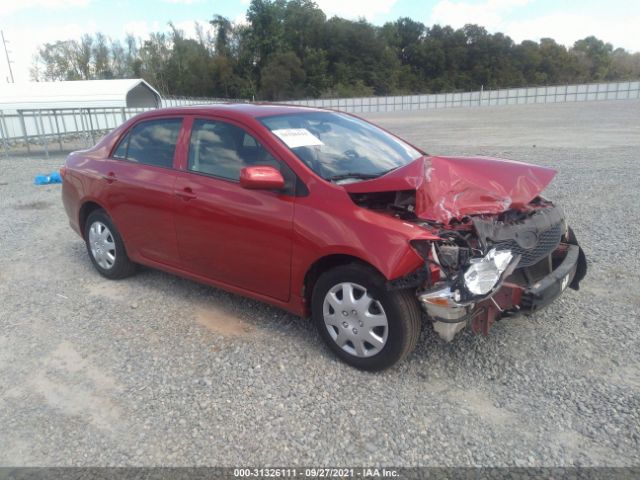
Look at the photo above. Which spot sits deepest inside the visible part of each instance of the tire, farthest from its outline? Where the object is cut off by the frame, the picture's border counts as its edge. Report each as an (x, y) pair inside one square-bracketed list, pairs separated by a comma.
[(107, 252), (356, 335)]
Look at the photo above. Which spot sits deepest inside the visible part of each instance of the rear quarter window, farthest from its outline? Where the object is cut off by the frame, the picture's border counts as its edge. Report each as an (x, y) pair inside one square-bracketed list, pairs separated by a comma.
[(151, 143), (121, 150)]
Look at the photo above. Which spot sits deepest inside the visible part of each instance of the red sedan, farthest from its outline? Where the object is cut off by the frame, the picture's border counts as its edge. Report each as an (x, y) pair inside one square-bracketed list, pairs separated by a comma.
[(323, 214)]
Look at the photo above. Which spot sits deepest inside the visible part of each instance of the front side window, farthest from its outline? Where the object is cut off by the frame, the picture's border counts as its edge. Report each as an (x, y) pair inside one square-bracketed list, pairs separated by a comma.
[(340, 147), (151, 143), (222, 150)]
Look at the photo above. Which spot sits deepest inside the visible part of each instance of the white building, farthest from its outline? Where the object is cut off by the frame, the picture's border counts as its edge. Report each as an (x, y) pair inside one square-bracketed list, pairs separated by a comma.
[(132, 93)]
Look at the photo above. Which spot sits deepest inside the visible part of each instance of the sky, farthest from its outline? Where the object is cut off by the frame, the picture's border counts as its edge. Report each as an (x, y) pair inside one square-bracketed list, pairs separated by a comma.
[(28, 23)]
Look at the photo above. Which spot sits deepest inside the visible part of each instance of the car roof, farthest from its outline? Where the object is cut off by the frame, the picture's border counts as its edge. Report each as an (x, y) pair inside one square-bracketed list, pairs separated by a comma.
[(234, 110)]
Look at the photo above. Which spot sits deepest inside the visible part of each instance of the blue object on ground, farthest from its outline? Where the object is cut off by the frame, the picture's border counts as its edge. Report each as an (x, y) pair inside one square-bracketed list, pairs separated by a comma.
[(53, 177)]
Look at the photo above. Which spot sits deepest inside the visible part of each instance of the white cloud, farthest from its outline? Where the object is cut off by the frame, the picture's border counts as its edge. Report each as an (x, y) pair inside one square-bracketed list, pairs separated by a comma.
[(7, 7), (566, 28), (241, 19), (142, 28), (24, 43), (368, 9), (489, 13), (189, 27), (618, 26)]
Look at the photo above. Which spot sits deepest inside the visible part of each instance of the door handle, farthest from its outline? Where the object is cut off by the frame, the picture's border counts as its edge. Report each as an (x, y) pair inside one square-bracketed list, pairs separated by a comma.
[(186, 193), (110, 177)]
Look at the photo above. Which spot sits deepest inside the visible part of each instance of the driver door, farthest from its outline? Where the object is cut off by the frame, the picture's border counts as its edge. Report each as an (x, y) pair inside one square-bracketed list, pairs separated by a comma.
[(227, 233)]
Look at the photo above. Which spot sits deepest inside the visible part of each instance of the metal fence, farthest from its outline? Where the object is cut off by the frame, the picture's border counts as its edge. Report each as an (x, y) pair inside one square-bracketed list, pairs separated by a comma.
[(507, 96), (67, 129), (59, 129), (184, 101)]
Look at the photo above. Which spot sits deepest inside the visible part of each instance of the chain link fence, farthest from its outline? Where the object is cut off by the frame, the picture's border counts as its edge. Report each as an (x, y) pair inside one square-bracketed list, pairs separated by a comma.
[(48, 130)]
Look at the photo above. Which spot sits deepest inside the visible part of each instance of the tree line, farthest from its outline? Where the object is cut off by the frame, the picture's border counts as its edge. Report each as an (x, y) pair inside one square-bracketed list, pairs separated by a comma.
[(290, 49)]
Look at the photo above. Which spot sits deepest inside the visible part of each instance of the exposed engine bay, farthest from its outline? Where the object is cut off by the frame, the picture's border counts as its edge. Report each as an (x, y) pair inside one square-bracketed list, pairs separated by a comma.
[(487, 265)]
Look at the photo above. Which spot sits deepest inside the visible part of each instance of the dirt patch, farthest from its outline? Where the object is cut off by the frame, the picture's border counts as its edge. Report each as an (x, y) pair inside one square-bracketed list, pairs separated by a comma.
[(223, 323), (479, 404), (33, 206), (67, 359), (77, 401), (75, 387), (108, 289)]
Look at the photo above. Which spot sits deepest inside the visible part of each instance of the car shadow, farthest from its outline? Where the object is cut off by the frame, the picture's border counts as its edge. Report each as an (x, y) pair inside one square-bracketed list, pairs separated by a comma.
[(229, 314), (236, 317)]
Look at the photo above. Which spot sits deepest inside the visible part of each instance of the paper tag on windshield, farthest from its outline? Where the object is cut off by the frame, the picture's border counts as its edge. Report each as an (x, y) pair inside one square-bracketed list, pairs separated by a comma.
[(298, 137)]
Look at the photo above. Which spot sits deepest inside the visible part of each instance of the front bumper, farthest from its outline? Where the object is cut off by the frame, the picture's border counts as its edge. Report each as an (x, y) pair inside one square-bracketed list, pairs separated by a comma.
[(545, 291), (508, 298)]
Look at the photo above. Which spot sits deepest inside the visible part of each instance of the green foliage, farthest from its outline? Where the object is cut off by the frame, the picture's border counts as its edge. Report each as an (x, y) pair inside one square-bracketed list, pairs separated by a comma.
[(289, 49), (282, 73)]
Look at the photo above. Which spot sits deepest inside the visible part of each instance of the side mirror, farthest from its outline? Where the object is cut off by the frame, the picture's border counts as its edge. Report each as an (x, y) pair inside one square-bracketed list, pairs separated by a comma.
[(261, 178)]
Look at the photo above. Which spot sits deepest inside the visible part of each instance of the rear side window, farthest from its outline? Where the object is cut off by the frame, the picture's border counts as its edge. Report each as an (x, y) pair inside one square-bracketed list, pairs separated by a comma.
[(222, 150), (151, 143), (121, 151)]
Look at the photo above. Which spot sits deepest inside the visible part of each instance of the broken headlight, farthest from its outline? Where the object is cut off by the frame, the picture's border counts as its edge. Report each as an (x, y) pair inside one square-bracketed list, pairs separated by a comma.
[(484, 273)]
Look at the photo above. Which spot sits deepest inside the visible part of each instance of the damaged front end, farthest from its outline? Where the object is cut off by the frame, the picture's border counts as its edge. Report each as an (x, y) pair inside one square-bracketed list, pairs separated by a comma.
[(500, 265), (503, 250)]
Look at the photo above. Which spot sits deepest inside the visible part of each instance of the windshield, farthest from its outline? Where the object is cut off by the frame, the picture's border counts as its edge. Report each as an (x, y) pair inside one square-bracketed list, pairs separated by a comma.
[(339, 147)]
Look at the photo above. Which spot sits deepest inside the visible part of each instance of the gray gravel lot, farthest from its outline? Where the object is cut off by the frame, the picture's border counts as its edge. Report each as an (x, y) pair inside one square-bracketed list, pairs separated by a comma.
[(157, 370)]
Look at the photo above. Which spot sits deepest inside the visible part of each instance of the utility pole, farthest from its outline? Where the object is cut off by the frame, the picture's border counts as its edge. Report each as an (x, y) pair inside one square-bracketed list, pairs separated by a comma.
[(6, 52)]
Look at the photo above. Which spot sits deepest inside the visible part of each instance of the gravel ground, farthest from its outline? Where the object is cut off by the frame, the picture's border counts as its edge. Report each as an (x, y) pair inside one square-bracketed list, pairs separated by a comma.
[(157, 370)]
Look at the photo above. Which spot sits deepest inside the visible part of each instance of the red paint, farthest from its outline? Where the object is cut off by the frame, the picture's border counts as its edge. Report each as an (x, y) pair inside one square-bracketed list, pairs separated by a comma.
[(234, 235), (262, 242), (507, 298), (261, 178), (452, 187)]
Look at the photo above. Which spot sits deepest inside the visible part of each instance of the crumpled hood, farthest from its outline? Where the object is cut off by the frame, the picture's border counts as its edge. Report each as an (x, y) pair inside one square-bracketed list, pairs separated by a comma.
[(453, 187)]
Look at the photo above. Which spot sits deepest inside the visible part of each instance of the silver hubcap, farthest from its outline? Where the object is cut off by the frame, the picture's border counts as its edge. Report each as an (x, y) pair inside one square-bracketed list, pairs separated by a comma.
[(102, 244), (355, 320)]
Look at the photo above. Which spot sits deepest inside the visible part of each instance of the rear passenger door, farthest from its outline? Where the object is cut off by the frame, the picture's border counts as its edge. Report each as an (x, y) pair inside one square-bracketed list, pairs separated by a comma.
[(140, 182), (227, 233)]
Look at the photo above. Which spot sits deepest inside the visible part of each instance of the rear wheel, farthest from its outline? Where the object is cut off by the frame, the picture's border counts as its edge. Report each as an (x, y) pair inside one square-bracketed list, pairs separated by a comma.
[(366, 325), (106, 248)]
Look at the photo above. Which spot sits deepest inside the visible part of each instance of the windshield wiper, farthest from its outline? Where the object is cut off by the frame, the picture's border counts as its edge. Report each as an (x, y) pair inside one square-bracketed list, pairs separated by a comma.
[(359, 176), (390, 170)]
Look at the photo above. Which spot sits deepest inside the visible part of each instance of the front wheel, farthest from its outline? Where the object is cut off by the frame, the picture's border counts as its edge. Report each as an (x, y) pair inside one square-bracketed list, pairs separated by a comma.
[(366, 325)]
